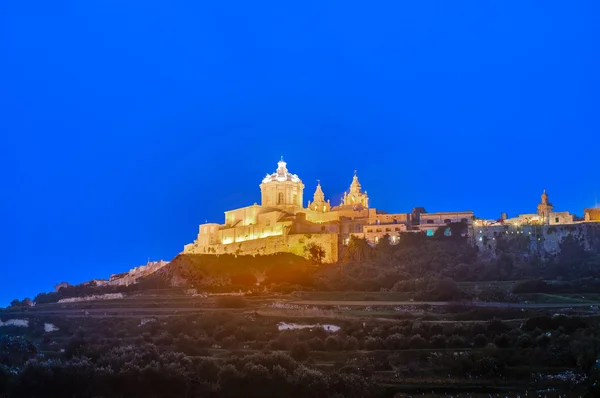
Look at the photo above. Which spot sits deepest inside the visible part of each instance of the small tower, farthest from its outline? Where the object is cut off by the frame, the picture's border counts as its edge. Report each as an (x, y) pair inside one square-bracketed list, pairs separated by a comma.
[(356, 197), (545, 208), (318, 203)]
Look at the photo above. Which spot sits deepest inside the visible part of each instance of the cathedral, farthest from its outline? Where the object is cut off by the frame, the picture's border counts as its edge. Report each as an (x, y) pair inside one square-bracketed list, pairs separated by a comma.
[(281, 223)]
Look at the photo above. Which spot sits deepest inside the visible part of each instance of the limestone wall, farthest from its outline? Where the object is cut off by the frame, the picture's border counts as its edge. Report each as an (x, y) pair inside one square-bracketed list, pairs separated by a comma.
[(294, 243), (541, 240)]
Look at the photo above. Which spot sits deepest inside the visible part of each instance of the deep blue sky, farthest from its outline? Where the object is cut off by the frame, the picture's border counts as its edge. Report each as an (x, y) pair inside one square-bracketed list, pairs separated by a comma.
[(125, 124)]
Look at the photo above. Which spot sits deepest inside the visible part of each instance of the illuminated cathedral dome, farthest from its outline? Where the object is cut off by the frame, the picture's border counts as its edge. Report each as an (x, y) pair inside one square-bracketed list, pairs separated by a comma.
[(281, 174), (281, 188)]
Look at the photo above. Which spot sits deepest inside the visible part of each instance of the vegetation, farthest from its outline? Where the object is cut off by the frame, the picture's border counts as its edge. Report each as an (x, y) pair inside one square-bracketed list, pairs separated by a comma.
[(161, 340)]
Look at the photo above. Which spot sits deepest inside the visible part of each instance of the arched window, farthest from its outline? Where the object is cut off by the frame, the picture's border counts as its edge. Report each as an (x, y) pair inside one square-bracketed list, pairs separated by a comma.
[(280, 198), (395, 221), (447, 221)]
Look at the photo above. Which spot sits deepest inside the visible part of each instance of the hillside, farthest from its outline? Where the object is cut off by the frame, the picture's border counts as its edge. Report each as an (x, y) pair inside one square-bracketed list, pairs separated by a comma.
[(230, 272)]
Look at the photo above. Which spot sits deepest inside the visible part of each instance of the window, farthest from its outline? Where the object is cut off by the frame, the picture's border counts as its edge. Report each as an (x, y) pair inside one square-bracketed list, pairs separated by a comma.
[(387, 229), (280, 198), (295, 199), (464, 220), (268, 222), (357, 229), (396, 229), (447, 221), (377, 222), (369, 230), (429, 222), (378, 230), (395, 221), (556, 219)]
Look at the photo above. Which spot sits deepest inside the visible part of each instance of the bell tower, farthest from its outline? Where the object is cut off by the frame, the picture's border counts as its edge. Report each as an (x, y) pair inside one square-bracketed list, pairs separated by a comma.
[(318, 203), (545, 208), (356, 197)]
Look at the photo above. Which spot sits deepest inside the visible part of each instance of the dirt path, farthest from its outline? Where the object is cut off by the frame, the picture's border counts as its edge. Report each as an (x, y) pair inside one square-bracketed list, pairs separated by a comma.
[(439, 303)]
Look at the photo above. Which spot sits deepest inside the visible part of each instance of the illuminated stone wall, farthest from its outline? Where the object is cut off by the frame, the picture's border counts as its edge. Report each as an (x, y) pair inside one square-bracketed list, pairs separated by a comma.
[(294, 243)]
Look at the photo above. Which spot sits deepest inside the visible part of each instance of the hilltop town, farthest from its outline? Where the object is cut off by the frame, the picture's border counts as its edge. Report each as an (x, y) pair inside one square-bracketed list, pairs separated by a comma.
[(281, 223)]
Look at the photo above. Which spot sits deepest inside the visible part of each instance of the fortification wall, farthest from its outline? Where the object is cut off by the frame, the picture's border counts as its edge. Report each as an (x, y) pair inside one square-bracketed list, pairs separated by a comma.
[(540, 240), (294, 243)]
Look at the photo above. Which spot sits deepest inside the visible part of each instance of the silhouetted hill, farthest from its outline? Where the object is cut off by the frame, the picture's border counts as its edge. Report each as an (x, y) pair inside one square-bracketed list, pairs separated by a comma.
[(230, 272)]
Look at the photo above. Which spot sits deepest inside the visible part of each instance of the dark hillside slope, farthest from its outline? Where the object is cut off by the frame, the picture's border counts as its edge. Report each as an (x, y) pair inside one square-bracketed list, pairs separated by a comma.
[(229, 271)]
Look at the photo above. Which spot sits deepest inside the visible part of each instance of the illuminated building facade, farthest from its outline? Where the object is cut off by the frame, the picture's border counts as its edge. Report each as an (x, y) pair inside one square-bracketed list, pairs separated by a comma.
[(282, 224)]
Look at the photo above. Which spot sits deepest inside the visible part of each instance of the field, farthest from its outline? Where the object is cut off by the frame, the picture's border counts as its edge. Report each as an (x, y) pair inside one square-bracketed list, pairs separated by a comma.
[(405, 347)]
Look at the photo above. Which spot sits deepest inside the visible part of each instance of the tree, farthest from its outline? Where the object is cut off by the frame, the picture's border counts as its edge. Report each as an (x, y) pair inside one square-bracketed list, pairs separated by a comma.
[(332, 343), (300, 351), (480, 340), (315, 253), (358, 250)]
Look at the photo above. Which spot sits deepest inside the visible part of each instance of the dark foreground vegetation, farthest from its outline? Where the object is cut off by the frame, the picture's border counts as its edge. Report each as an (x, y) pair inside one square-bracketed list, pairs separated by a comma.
[(163, 340)]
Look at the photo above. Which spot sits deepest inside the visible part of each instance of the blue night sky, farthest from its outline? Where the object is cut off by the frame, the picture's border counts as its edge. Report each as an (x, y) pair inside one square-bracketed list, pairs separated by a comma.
[(125, 124)]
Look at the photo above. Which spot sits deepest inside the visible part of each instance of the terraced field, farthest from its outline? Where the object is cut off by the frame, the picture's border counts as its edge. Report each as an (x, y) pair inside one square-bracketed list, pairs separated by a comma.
[(404, 346)]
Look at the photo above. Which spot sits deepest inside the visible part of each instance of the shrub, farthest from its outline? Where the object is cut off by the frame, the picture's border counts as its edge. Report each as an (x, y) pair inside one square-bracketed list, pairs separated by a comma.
[(395, 342), (351, 344), (316, 344), (373, 343), (300, 351), (456, 342), (438, 341), (417, 341), (480, 340), (332, 343), (501, 341)]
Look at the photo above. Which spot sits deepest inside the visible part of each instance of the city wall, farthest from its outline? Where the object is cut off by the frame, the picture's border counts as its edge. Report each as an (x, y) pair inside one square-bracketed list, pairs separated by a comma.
[(293, 243), (541, 240)]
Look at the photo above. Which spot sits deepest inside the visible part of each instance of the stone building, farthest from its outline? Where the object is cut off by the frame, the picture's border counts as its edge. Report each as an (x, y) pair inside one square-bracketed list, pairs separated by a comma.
[(430, 222), (592, 214), (280, 223), (545, 216)]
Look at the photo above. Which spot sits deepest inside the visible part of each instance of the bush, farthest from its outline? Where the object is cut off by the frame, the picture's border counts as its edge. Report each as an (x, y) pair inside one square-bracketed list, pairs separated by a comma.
[(300, 351), (316, 344), (351, 344), (373, 343), (332, 343), (438, 341), (231, 302), (480, 340), (456, 342), (395, 341), (502, 341), (417, 341)]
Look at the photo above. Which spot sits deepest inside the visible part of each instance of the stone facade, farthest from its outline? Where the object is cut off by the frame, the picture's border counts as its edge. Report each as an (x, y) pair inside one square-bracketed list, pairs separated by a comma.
[(541, 240), (430, 222), (592, 214), (281, 223)]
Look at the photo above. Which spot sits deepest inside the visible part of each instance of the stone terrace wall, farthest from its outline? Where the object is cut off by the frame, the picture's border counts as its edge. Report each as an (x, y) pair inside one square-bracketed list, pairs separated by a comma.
[(541, 240)]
